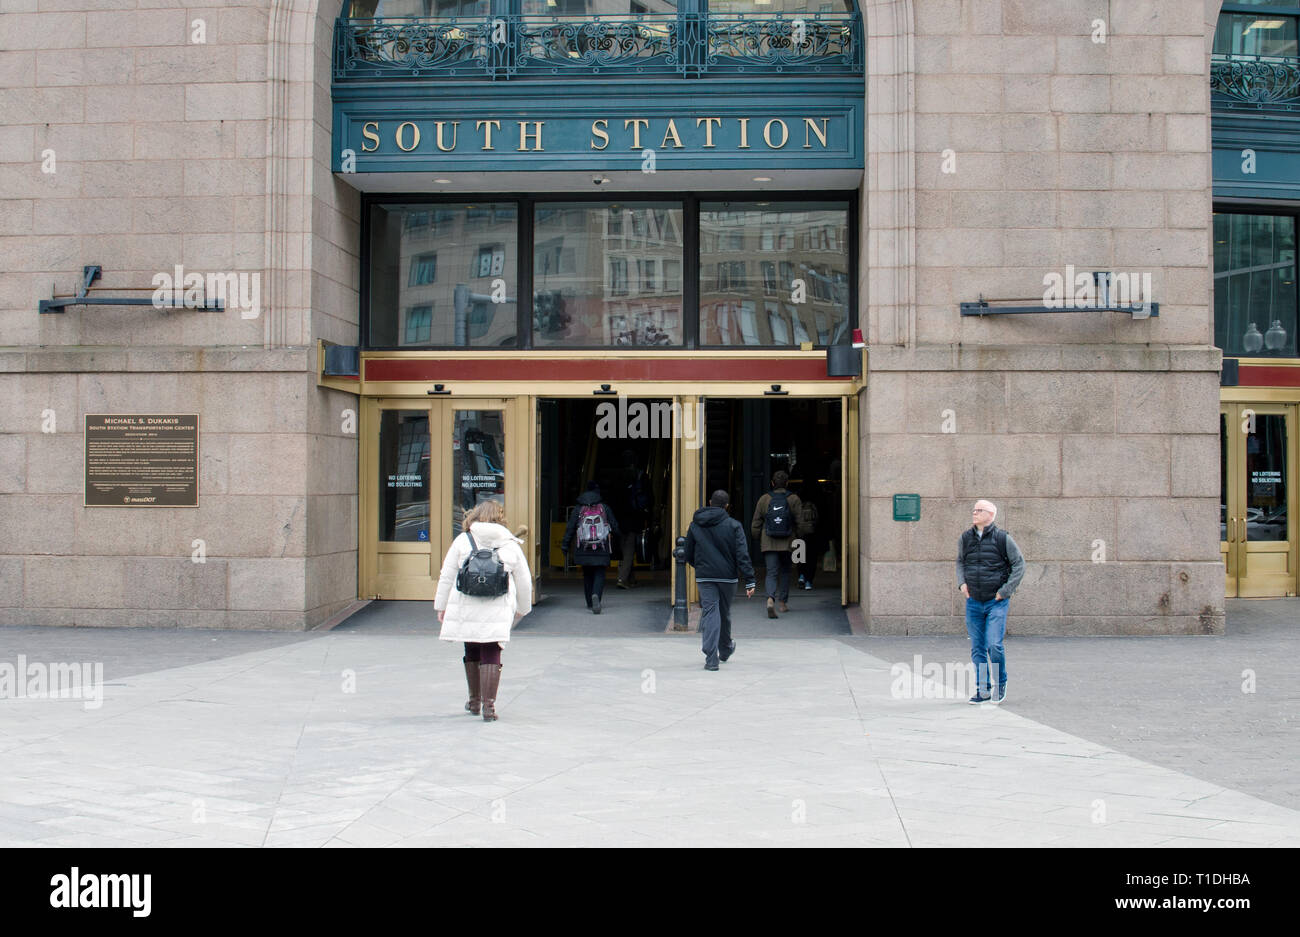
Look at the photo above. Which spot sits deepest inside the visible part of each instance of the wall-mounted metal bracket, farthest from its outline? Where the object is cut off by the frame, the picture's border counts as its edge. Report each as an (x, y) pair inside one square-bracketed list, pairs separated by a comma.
[(982, 308), (90, 273)]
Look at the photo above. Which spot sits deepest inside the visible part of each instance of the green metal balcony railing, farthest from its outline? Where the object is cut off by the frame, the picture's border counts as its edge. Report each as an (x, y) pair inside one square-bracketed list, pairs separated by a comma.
[(684, 44), (1255, 82)]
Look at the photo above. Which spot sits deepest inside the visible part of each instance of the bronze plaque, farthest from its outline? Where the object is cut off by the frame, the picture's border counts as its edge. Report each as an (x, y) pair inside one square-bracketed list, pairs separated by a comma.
[(142, 460)]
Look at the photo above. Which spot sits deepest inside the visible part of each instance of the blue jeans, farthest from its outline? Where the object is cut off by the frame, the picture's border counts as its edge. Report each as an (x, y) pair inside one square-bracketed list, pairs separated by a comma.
[(986, 623), (777, 579)]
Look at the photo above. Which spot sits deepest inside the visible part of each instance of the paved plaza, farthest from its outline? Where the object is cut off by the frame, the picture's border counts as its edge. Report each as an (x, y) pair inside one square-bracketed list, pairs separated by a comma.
[(356, 737)]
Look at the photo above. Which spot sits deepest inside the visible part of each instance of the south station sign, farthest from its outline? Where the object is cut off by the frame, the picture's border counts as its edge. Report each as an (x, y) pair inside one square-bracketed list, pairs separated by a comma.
[(732, 131), (638, 134)]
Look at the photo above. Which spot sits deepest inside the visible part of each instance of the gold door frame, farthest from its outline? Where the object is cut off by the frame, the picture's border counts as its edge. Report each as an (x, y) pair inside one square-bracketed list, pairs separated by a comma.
[(412, 571), (1256, 569), (688, 470), (523, 478)]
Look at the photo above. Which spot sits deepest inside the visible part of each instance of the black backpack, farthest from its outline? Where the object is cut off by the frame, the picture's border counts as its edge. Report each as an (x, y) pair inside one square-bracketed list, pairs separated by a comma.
[(482, 574), (778, 522)]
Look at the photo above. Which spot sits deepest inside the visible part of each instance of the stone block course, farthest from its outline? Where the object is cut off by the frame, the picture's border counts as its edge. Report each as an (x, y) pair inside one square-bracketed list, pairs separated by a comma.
[(1170, 528), (267, 584), (74, 582), (175, 583), (1096, 466), (1018, 466), (912, 589)]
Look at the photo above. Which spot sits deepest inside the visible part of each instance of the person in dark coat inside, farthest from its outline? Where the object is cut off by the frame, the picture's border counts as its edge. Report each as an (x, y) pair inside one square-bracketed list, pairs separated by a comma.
[(716, 547), (591, 533)]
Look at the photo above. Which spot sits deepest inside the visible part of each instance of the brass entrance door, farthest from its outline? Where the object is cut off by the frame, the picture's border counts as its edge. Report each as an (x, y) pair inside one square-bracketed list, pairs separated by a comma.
[(424, 464), (1258, 537)]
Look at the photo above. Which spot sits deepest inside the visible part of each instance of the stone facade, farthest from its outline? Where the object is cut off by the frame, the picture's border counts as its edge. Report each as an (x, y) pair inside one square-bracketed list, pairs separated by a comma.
[(126, 142), (197, 137), (1038, 146)]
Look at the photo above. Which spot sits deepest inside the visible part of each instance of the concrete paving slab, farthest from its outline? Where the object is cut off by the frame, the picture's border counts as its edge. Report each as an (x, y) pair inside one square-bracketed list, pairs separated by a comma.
[(602, 741)]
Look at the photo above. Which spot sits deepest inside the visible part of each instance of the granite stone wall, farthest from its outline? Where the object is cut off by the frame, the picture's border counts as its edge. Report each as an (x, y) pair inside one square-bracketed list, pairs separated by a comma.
[(141, 136), (1042, 135)]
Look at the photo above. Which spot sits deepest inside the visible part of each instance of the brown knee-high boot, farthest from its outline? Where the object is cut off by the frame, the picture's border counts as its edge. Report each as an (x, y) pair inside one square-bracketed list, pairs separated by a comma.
[(489, 679), (472, 678)]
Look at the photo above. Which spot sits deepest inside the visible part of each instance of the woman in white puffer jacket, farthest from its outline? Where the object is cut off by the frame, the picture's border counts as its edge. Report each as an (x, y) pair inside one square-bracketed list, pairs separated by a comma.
[(483, 624)]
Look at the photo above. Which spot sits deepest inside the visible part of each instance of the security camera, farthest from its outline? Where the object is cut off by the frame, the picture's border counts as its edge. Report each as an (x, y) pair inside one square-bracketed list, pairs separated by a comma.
[(598, 180)]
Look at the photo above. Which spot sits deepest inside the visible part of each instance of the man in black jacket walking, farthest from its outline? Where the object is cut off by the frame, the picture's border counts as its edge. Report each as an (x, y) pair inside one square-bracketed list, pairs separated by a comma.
[(716, 547)]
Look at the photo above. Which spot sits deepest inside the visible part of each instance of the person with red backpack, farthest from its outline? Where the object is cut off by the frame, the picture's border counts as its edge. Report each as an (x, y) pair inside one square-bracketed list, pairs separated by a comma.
[(591, 532)]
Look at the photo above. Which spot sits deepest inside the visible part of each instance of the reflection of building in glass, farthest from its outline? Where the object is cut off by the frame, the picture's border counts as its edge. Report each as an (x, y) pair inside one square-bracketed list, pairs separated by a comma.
[(770, 277), (608, 274), (439, 272), (478, 461), (404, 476)]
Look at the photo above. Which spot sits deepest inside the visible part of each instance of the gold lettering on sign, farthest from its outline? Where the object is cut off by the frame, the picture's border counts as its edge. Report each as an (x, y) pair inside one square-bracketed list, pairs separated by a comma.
[(671, 132), (524, 134), (708, 123), (454, 125), (821, 134), (407, 134), (398, 136), (635, 123), (486, 126), (767, 133)]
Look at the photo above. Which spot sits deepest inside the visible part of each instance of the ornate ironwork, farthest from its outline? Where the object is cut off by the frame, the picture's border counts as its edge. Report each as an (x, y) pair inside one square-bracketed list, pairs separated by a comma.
[(517, 46), (1255, 82), (643, 44), (449, 48), (798, 44)]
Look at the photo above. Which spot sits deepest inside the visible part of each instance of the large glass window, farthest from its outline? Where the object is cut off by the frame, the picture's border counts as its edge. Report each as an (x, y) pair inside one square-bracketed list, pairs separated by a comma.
[(1266, 475), (607, 273), (615, 273), (1255, 284), (774, 275), (404, 475), (444, 275), (1269, 31), (478, 463)]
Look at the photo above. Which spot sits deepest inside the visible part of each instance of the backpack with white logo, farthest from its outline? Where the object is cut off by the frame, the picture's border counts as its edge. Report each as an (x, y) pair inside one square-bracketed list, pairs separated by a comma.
[(593, 528), (779, 523), (482, 574)]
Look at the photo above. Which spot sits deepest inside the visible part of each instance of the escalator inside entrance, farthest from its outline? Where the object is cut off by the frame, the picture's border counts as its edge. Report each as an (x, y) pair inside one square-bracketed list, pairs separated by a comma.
[(631, 462), (747, 441)]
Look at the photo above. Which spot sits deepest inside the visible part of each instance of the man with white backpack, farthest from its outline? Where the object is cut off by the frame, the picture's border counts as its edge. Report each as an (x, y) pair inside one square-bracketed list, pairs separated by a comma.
[(591, 531)]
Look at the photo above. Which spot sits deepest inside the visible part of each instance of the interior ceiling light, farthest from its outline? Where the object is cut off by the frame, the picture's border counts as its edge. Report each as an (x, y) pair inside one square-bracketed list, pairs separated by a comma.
[(1265, 24), (762, 178), (443, 181)]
